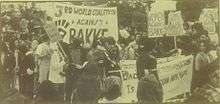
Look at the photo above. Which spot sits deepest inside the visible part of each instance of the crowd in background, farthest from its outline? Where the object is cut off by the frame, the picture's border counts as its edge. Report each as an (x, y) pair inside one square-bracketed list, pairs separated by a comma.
[(27, 53), (28, 56), (20, 36)]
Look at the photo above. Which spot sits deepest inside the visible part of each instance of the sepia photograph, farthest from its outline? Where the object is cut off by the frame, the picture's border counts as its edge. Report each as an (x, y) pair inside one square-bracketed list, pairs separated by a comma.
[(109, 52)]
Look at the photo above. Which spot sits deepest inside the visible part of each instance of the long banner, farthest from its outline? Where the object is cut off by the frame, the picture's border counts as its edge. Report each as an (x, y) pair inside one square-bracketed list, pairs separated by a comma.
[(175, 77), (85, 22)]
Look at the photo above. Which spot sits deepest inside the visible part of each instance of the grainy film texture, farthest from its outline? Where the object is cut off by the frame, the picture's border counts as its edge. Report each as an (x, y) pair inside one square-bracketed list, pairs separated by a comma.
[(109, 51)]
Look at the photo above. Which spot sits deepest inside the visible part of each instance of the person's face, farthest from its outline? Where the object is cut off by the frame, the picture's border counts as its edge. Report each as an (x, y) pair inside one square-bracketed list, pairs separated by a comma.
[(193, 31), (12, 8), (138, 37), (202, 47), (203, 38), (7, 27), (34, 44), (132, 37), (122, 45), (16, 43)]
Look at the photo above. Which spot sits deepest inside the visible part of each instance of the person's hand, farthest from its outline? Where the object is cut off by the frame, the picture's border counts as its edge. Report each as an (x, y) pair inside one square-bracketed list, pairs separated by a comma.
[(86, 46), (78, 66), (65, 66), (35, 70), (29, 71), (101, 48), (62, 73), (101, 61)]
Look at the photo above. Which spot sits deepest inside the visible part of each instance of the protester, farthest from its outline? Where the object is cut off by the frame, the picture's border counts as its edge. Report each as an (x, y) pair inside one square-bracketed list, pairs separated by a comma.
[(133, 47), (113, 88), (89, 84), (9, 62), (122, 51), (48, 94), (85, 72), (112, 52), (214, 68), (208, 91), (113, 82), (2, 74), (124, 35), (56, 68), (43, 54), (26, 63), (201, 72), (73, 59), (145, 60), (149, 90)]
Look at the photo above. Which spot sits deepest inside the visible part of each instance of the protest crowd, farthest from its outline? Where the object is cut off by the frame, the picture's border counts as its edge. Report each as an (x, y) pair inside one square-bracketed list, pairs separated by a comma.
[(35, 70)]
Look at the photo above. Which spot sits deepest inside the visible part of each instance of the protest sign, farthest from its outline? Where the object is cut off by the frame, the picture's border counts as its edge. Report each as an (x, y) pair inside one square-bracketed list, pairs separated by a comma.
[(130, 81), (208, 18), (156, 24), (175, 24), (52, 31), (175, 77), (86, 22)]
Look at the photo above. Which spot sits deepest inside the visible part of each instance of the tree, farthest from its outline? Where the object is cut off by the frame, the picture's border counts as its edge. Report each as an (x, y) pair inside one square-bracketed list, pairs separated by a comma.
[(190, 9)]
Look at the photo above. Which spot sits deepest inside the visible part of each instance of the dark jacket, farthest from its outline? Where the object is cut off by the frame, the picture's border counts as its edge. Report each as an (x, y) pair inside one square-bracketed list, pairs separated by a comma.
[(145, 62), (149, 90), (9, 58), (88, 85), (26, 61)]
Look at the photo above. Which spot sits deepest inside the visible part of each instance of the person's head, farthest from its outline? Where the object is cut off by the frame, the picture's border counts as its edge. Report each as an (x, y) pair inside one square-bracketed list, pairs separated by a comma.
[(113, 90), (17, 43), (7, 40), (148, 44), (197, 28), (204, 37), (113, 93), (34, 44), (49, 18), (121, 27), (11, 7), (186, 26), (23, 49), (132, 37), (47, 91), (110, 42), (24, 36), (138, 37), (122, 45), (75, 43), (203, 47)]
